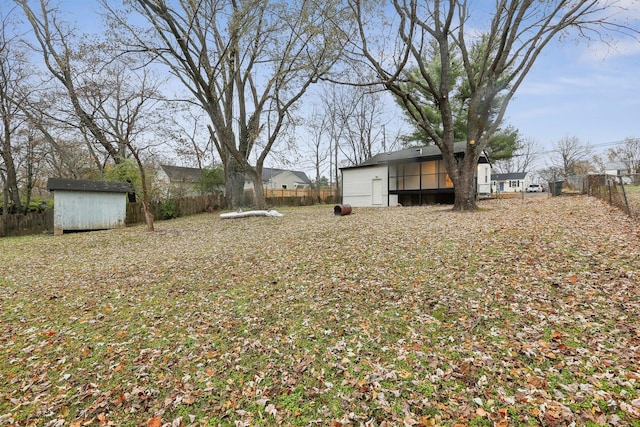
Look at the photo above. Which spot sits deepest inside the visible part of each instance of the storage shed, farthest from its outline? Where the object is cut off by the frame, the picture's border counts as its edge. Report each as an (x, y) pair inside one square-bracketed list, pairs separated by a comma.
[(83, 205)]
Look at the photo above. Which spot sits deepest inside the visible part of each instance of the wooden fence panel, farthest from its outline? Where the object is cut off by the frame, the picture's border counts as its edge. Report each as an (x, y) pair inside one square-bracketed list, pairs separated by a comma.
[(23, 225), (39, 222), (298, 197), (184, 207)]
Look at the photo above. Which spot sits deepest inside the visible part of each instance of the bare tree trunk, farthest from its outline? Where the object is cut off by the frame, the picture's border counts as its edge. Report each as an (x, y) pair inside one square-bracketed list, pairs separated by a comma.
[(11, 181), (11, 184), (148, 215), (465, 189), (464, 179), (258, 188), (234, 182), (5, 200)]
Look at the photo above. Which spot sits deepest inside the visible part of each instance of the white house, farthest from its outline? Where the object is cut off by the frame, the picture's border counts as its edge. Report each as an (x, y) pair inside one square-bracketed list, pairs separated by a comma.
[(619, 169), (281, 179), (413, 176), (82, 205), (516, 182), (178, 180)]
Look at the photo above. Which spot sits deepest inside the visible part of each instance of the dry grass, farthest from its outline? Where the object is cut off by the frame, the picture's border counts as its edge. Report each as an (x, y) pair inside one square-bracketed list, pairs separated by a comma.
[(525, 313)]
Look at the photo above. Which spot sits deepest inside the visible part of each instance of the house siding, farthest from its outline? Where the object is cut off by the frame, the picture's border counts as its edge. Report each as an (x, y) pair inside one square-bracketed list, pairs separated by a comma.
[(362, 184), (511, 183), (183, 181), (484, 178), (287, 180)]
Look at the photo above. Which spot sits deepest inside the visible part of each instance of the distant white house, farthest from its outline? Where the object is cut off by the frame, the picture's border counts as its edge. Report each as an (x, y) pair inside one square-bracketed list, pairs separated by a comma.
[(413, 176), (619, 169), (281, 179), (516, 182)]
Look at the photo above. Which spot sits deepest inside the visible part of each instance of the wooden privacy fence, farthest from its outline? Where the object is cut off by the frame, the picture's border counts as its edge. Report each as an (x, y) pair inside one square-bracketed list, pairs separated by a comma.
[(295, 197), (42, 222), (182, 207), (304, 192), (25, 224)]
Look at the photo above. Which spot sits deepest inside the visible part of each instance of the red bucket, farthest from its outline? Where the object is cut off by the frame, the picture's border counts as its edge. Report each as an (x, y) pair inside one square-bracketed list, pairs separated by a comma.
[(342, 210)]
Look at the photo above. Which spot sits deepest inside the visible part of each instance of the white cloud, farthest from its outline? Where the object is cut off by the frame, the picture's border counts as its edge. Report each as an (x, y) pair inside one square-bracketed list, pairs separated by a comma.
[(600, 51), (541, 89)]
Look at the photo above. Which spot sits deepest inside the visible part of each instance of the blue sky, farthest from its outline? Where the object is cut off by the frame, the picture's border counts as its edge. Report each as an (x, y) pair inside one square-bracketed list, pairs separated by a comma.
[(588, 91), (575, 89)]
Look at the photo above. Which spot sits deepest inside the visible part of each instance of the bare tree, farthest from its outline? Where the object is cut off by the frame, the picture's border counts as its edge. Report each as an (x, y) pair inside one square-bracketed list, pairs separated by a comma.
[(246, 63), (551, 173), (362, 114), (336, 128), (495, 62), (628, 154), (12, 75), (126, 104), (569, 155), (113, 100), (526, 152), (54, 41), (187, 135), (320, 152)]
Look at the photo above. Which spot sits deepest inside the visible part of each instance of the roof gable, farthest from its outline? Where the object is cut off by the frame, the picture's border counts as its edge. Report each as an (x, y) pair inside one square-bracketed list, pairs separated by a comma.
[(270, 173), (63, 184), (182, 174)]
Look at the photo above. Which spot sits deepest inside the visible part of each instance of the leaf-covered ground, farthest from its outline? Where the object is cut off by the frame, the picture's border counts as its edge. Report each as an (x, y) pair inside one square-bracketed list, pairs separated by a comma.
[(525, 313)]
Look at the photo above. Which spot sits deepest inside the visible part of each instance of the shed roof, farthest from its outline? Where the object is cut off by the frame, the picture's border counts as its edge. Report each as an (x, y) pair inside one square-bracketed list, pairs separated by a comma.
[(57, 184), (508, 176)]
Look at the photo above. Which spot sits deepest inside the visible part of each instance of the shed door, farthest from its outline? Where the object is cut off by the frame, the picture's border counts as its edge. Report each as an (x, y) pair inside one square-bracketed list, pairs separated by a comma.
[(376, 192)]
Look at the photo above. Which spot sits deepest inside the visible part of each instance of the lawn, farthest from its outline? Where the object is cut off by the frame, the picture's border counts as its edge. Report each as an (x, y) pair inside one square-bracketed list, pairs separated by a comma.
[(525, 313)]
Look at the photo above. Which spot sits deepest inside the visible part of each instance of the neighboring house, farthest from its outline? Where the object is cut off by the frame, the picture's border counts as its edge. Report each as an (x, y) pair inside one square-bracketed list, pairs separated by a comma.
[(618, 169), (178, 181), (281, 179), (516, 182), (413, 176), (81, 205)]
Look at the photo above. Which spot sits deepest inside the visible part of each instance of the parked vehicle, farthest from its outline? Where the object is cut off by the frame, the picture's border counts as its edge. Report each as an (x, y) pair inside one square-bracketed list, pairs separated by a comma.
[(535, 188)]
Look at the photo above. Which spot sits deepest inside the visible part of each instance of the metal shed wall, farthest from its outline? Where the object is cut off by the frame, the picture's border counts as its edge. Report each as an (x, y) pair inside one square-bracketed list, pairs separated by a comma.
[(81, 210)]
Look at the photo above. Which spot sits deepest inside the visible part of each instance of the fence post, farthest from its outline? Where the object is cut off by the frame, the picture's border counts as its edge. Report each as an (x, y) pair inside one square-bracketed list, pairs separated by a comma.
[(624, 195)]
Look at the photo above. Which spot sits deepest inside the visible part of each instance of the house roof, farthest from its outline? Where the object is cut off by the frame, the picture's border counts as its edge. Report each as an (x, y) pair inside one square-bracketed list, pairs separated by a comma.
[(419, 153), (268, 173), (508, 176), (182, 174), (619, 166), (57, 184)]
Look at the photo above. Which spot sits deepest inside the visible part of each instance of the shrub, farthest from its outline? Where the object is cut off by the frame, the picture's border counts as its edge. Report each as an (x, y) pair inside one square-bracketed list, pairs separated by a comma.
[(168, 209)]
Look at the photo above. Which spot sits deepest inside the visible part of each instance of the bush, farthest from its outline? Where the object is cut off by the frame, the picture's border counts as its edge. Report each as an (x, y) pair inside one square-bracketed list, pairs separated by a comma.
[(168, 209), (35, 205), (127, 171), (39, 205)]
